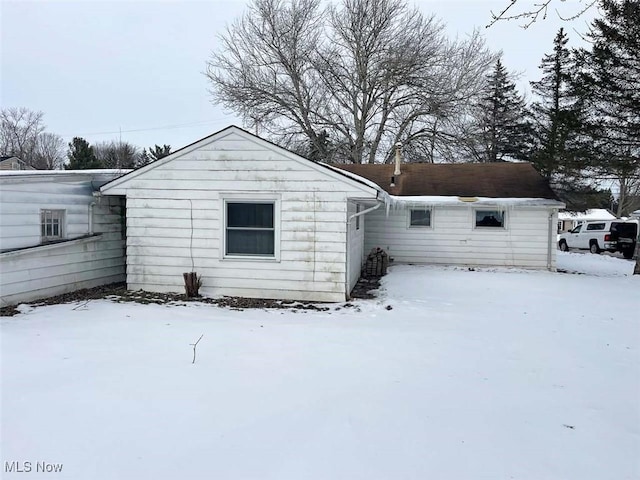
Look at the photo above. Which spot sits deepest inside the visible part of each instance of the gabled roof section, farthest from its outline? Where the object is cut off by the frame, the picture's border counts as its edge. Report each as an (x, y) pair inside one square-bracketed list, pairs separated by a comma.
[(493, 180), (353, 180)]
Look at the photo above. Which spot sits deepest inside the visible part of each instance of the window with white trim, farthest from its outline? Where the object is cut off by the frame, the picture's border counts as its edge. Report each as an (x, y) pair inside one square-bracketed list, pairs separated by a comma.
[(420, 217), (250, 228), (51, 225), (490, 218), (357, 218)]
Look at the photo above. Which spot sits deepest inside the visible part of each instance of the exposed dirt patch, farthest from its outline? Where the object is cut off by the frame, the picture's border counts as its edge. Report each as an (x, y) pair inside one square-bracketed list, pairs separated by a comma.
[(366, 288), (117, 292)]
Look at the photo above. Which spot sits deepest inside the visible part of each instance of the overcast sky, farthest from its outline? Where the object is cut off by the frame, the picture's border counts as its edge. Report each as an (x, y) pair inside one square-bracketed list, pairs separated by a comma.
[(133, 70)]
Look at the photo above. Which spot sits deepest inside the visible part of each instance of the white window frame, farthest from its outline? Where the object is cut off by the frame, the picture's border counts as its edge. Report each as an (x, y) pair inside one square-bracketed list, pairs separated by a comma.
[(49, 215), (489, 227), (241, 198), (429, 209)]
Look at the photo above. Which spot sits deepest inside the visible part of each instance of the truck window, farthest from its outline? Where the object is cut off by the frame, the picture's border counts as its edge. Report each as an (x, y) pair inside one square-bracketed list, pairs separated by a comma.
[(595, 226)]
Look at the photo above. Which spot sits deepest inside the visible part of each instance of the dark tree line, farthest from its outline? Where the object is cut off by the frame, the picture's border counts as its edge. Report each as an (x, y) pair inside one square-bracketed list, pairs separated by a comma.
[(82, 155), (23, 135)]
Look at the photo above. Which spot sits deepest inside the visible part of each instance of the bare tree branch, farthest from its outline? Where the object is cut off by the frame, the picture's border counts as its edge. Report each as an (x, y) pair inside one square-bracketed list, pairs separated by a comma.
[(194, 345), (535, 10)]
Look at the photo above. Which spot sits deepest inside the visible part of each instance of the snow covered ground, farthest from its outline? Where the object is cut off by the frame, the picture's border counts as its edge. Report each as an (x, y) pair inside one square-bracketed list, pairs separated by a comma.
[(449, 374)]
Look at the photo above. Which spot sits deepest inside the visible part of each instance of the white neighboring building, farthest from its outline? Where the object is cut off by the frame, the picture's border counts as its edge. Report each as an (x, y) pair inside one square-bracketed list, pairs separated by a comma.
[(55, 235), (569, 220), (13, 163)]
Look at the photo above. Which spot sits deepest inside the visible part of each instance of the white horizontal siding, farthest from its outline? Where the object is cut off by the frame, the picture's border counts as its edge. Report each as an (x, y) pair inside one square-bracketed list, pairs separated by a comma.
[(22, 201), (453, 240), (48, 270), (175, 221), (42, 272)]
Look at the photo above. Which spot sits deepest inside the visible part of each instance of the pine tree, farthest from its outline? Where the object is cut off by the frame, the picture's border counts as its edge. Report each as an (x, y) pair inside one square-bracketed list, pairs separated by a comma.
[(503, 129), (556, 117), (610, 74), (81, 155), (319, 149), (155, 153)]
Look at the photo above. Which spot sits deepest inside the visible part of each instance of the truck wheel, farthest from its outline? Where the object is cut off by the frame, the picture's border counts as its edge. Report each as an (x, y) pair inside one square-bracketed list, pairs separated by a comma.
[(593, 247), (563, 246)]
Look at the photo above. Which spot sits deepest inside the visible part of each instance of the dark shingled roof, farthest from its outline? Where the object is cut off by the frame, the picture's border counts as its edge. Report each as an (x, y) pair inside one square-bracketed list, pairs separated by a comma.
[(494, 180)]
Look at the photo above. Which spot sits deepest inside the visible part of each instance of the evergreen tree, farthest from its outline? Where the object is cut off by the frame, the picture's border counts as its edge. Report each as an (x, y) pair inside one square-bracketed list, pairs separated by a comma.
[(503, 129), (155, 153), (81, 155), (556, 119), (319, 150), (610, 74)]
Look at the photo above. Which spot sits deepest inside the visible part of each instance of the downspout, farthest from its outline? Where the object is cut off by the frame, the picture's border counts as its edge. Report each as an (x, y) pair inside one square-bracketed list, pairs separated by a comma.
[(97, 197), (91, 205), (351, 217)]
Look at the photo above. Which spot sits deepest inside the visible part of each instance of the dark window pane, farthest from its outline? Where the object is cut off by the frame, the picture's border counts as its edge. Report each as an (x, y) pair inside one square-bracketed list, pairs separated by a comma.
[(250, 215), (420, 218), (489, 218), (250, 242)]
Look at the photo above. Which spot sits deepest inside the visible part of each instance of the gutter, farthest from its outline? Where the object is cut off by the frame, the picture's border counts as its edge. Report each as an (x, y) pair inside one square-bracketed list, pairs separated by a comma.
[(347, 272)]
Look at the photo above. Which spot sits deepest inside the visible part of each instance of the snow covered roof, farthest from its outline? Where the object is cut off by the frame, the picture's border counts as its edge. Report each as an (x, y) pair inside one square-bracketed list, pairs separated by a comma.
[(501, 180), (97, 171), (100, 176), (434, 201), (591, 214)]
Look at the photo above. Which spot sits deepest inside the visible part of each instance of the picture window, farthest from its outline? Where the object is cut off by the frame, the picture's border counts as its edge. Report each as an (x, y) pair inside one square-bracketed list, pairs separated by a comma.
[(490, 218)]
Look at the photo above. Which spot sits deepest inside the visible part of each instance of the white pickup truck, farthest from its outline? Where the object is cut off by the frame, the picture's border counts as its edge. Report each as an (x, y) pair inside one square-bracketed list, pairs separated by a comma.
[(599, 235)]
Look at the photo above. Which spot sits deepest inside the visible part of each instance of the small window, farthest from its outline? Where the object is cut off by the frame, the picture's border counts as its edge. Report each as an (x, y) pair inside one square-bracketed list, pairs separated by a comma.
[(595, 226), (489, 218), (250, 229), (420, 217), (51, 225), (560, 226), (357, 218)]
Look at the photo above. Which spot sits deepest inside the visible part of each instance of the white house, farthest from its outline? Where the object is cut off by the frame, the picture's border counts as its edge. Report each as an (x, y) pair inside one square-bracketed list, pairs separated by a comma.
[(497, 214), (55, 235), (255, 220), (570, 220), (252, 219)]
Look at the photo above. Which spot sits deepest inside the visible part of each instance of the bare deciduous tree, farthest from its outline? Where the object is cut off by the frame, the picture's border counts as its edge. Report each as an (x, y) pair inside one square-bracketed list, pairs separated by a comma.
[(116, 154), (49, 153), (358, 76), (19, 131)]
